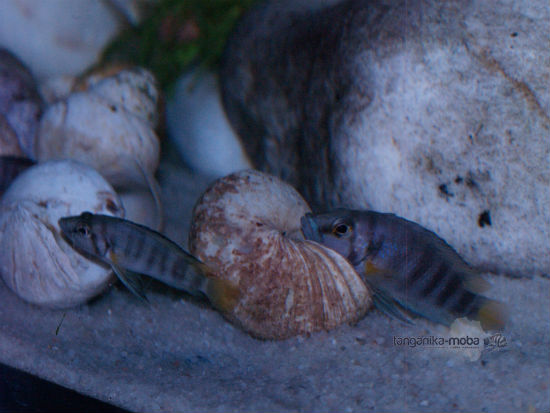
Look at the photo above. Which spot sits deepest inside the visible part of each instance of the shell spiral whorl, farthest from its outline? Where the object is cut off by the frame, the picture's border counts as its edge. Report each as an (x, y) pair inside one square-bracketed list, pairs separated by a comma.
[(246, 226)]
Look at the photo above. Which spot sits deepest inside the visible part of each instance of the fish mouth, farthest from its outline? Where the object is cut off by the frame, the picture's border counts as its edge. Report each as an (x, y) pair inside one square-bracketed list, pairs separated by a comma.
[(65, 224), (309, 228)]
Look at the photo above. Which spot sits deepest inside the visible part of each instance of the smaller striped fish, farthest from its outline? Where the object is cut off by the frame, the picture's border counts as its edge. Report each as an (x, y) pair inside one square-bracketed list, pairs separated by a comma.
[(407, 266), (10, 167), (131, 249)]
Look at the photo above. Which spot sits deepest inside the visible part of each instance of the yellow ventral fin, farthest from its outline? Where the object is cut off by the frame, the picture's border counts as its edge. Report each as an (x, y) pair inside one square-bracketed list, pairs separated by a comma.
[(371, 269), (223, 294), (493, 315)]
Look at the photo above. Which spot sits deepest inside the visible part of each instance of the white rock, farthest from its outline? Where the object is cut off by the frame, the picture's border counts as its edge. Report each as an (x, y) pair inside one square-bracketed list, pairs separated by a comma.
[(199, 128), (465, 339), (35, 261), (56, 37)]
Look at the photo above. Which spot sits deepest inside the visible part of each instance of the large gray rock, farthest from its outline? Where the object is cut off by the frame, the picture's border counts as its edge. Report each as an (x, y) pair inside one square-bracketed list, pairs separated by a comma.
[(437, 111)]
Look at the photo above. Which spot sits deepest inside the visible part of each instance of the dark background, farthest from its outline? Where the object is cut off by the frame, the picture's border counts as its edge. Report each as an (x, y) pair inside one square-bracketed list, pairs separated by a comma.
[(22, 392)]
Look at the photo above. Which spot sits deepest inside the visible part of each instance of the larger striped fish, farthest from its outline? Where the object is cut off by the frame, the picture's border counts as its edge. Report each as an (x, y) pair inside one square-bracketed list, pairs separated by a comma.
[(132, 248), (408, 267)]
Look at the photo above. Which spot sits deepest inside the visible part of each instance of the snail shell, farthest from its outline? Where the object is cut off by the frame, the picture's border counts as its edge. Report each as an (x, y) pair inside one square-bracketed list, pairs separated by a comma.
[(35, 261), (108, 123), (246, 226), (134, 89)]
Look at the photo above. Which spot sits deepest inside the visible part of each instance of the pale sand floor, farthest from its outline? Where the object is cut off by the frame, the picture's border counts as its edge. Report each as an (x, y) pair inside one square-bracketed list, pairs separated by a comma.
[(180, 355)]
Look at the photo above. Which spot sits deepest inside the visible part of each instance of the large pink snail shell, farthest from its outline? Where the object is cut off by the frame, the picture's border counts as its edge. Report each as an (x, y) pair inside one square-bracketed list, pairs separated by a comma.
[(246, 226)]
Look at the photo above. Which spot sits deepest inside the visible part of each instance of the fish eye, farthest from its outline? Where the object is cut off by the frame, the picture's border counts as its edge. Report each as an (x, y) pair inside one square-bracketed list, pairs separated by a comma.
[(83, 230), (341, 229)]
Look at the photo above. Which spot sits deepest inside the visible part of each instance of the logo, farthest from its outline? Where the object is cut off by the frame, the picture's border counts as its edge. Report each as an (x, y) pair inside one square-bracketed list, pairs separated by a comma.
[(496, 341)]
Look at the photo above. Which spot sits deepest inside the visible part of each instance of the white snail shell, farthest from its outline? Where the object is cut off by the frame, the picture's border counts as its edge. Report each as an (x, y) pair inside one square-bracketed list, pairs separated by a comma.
[(35, 261), (107, 124), (246, 226), (134, 89)]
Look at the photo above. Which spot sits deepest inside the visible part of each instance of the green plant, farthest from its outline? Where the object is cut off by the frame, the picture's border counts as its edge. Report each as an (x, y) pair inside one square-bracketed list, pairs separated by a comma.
[(178, 34)]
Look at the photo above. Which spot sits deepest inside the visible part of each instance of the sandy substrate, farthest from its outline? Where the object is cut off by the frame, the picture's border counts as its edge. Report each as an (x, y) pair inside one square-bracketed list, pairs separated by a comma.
[(180, 355)]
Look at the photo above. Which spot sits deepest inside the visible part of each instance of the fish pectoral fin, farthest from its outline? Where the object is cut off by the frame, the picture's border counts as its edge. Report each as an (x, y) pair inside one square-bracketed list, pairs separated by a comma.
[(389, 305), (376, 276), (133, 281)]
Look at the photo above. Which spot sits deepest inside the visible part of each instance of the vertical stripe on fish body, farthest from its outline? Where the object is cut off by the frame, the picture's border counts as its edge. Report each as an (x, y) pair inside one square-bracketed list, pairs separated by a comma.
[(126, 245), (407, 265), (150, 253)]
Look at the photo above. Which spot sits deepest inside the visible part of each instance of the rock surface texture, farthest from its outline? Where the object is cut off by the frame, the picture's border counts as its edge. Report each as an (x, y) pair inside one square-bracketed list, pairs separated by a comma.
[(438, 112)]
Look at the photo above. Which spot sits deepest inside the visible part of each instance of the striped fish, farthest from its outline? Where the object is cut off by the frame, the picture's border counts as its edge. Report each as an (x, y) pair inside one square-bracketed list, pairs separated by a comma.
[(10, 167), (410, 269), (131, 249)]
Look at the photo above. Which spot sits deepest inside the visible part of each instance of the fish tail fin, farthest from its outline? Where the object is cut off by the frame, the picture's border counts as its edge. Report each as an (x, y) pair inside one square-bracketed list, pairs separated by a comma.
[(223, 294), (492, 314)]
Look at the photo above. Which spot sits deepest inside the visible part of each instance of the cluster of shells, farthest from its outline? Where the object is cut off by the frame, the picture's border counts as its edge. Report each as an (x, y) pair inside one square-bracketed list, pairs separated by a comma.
[(86, 143), (94, 142)]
